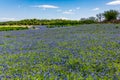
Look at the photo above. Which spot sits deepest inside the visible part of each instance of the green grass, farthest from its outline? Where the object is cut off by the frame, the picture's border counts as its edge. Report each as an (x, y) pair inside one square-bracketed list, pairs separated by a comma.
[(10, 28)]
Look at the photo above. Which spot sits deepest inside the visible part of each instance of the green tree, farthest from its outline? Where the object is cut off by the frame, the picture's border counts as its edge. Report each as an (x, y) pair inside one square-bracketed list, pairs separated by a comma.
[(111, 15)]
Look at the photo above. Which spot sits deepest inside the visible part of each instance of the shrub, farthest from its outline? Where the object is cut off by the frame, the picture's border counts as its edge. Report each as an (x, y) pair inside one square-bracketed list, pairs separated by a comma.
[(87, 21)]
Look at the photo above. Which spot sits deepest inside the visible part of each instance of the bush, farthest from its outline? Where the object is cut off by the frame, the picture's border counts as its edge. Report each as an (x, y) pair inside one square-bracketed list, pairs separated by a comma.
[(87, 22)]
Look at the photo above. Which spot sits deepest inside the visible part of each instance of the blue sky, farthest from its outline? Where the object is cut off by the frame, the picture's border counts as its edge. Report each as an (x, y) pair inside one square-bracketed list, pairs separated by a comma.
[(54, 9)]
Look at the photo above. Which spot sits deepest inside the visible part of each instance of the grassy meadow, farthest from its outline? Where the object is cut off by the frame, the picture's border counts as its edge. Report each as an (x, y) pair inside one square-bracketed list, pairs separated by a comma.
[(85, 52)]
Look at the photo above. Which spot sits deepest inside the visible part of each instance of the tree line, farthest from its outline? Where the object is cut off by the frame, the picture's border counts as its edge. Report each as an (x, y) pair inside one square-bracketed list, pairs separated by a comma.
[(47, 22), (107, 16)]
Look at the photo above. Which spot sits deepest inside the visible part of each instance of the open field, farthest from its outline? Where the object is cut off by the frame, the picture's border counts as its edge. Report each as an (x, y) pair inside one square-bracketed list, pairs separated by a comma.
[(87, 52)]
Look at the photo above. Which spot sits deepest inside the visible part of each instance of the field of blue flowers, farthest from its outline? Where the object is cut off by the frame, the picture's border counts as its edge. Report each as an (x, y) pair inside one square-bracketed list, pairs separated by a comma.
[(86, 52)]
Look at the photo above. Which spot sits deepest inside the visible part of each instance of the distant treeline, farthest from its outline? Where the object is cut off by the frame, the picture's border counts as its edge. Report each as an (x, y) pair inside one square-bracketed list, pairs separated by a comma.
[(111, 16), (48, 22)]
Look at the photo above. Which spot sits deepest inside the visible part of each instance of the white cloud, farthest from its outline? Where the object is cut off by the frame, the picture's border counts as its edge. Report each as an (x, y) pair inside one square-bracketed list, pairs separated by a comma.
[(7, 19), (71, 11), (46, 6), (96, 9), (115, 2), (68, 12)]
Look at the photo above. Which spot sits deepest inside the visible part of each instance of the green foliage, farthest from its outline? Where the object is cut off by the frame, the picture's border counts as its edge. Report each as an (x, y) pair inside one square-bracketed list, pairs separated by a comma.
[(56, 22), (87, 21), (117, 27), (111, 15)]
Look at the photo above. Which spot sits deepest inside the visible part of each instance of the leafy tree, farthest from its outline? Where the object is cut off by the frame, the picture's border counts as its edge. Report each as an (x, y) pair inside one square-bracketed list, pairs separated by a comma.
[(111, 15)]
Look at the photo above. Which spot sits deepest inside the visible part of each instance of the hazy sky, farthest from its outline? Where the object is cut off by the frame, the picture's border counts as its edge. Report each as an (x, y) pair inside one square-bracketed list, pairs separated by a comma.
[(52, 9)]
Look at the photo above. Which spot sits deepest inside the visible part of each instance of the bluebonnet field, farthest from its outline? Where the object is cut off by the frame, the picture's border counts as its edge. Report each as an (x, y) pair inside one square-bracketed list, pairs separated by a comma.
[(86, 52)]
